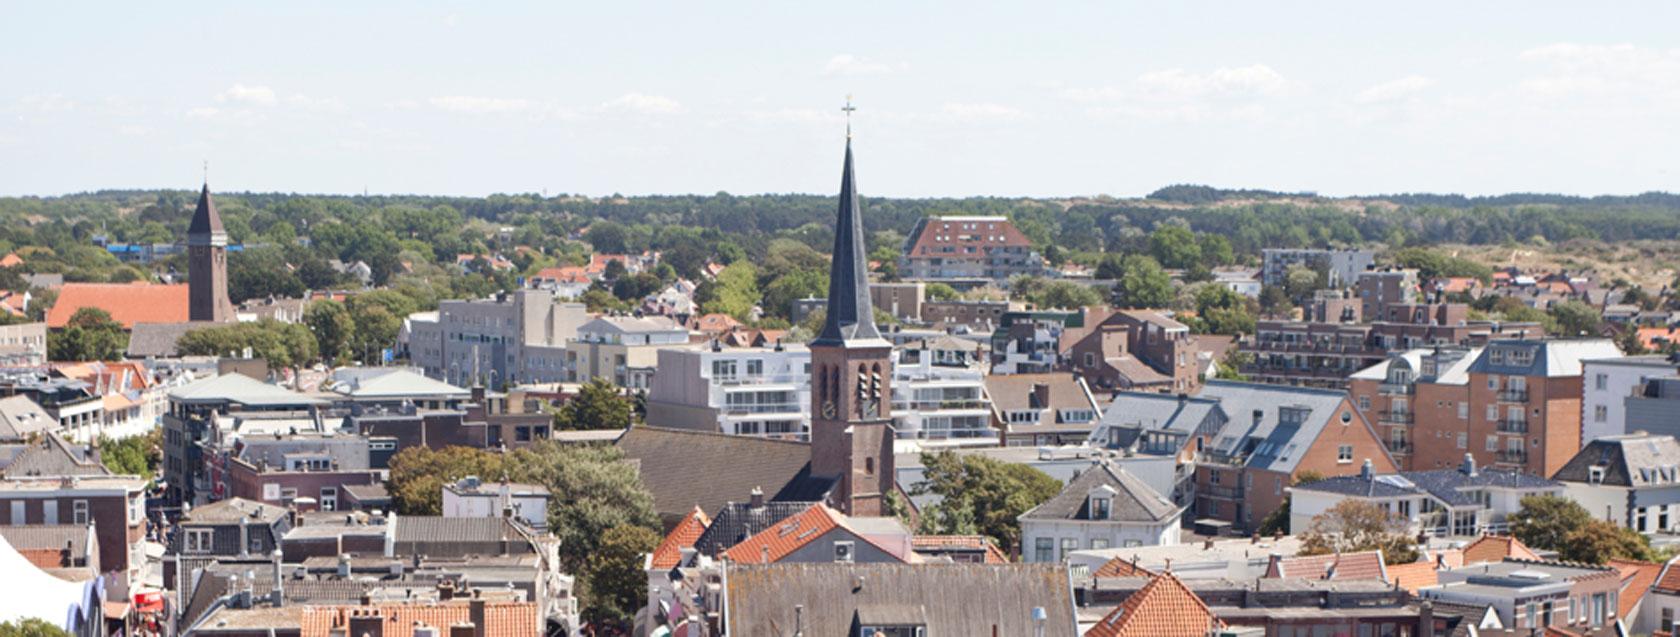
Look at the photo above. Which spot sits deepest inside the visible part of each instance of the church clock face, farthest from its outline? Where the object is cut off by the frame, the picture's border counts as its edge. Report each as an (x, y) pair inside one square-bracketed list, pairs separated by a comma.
[(828, 409)]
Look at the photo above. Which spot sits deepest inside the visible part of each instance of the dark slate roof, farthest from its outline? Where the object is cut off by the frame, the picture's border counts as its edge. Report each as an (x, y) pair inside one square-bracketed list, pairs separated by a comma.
[(205, 219), (1152, 411), (1549, 358), (52, 456), (1444, 484), (1253, 421), (232, 510), (1134, 501), (738, 521), (850, 315), (47, 536), (1635, 460), (431, 528), (948, 599), (685, 468), (158, 340)]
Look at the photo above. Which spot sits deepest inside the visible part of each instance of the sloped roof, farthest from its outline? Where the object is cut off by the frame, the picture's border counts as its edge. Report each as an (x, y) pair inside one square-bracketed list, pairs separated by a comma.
[(1134, 500), (205, 219), (789, 535), (1253, 410), (684, 468), (239, 389), (948, 599), (399, 383), (1121, 567), (1012, 392), (20, 418), (1343, 566), (53, 456), (850, 314), (1444, 484), (47, 536), (160, 340), (669, 552), (1552, 358), (1413, 575), (1669, 580), (501, 619), (737, 521), (1634, 460), (949, 543), (1162, 608), (1637, 578), (1495, 548), (435, 528), (127, 303)]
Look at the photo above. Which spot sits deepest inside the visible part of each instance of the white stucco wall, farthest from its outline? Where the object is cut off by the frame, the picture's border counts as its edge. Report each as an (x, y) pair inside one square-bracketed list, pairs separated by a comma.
[(1117, 534)]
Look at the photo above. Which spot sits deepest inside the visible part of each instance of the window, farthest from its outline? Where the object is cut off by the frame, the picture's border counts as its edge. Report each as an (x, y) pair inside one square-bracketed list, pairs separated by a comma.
[(1493, 443), (1600, 382), (1344, 454), (1098, 543), (1667, 621), (723, 369), (755, 367), (1463, 440), (329, 498), (79, 514), (1069, 545), (1365, 403), (1100, 508), (49, 512), (1463, 411), (17, 513), (1090, 359), (1492, 412), (199, 540), (1044, 550), (1600, 412)]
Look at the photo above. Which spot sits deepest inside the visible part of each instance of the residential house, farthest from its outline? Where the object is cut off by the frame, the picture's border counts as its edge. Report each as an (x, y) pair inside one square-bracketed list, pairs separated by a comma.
[(1103, 506), (235, 529), (968, 249), (471, 497), (23, 344), (743, 391), (939, 393), (621, 349), (115, 505), (1626, 394), (1465, 502), (22, 420), (1633, 480), (1164, 607), (1031, 342), (566, 282), (1143, 350), (1042, 409), (1531, 594), (840, 598), (308, 471), (820, 534)]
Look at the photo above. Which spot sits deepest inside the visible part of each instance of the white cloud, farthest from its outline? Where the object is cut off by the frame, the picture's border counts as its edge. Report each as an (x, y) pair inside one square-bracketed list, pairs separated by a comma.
[(475, 104), (976, 112), (1255, 79), (644, 104), (305, 102), (848, 64), (1223, 94), (203, 112), (1604, 70), (1394, 89), (240, 93)]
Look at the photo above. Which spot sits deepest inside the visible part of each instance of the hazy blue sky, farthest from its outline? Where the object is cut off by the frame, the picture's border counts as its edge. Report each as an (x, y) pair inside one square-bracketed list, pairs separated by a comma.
[(955, 98)]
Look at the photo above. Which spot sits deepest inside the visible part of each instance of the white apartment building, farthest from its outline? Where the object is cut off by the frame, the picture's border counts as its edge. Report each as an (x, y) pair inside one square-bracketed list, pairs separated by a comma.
[(939, 393), (743, 391), (621, 349), (1605, 385), (513, 338)]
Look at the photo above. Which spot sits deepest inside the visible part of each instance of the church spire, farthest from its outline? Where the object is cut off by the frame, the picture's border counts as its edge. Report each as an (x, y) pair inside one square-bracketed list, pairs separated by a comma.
[(850, 314), (205, 221)]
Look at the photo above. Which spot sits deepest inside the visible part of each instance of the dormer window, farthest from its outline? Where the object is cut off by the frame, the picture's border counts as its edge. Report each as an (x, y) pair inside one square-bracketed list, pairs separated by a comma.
[(1595, 475), (1100, 503)]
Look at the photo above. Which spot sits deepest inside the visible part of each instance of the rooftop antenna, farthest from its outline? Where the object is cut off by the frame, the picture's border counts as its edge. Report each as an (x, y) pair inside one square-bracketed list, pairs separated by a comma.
[(848, 109), (207, 171)]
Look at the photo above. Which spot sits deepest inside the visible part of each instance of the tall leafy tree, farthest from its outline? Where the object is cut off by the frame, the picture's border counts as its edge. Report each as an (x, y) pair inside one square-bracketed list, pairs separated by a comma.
[(90, 335), (333, 328), (614, 580), (597, 405), (418, 473), (1353, 525), (1545, 522), (1174, 246), (1142, 284), (980, 494)]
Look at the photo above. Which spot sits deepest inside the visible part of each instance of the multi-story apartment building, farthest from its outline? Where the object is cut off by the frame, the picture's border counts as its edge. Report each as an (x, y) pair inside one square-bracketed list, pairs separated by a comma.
[(115, 505), (1143, 350), (24, 344), (1341, 267), (746, 391), (976, 249), (621, 349), (1378, 289), (1621, 395), (1031, 342), (974, 315), (1510, 404), (1324, 354), (512, 338), (939, 393), (190, 425)]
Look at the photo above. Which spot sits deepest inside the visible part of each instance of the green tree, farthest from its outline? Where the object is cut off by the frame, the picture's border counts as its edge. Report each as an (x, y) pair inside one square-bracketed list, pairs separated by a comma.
[(31, 628), (1630, 342), (1352, 526), (1222, 311), (981, 495), (1142, 284), (418, 473), (597, 405), (1174, 246), (90, 335), (1300, 282), (1599, 541), (134, 455), (1065, 295), (941, 292), (289, 345), (734, 292), (594, 490), (333, 328), (614, 579), (1574, 318), (1216, 249), (780, 293), (1546, 522)]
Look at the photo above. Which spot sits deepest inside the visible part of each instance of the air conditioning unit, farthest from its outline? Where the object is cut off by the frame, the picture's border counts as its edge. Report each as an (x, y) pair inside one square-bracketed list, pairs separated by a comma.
[(843, 551)]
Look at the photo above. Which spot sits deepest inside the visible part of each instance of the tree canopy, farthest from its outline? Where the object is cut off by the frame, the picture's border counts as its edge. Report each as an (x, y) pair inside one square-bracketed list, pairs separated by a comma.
[(980, 495)]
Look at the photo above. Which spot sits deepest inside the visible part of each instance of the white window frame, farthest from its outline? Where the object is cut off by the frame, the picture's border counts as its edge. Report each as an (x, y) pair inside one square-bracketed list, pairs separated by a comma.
[(198, 540), (79, 512)]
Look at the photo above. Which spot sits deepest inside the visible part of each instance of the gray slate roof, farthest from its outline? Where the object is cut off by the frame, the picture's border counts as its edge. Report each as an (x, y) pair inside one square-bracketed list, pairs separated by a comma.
[(737, 521), (850, 314), (52, 456), (1254, 409), (948, 599), (159, 340), (1150, 411), (241, 390), (1134, 500), (47, 536), (684, 469), (1635, 460), (1446, 485), (20, 418), (232, 510), (1551, 358)]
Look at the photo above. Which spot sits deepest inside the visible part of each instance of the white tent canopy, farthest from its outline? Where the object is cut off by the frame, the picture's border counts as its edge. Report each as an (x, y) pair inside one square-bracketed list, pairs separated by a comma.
[(33, 593)]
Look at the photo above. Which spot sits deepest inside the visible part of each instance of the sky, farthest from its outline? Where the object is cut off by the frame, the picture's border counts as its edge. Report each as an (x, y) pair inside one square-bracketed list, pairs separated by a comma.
[(954, 98)]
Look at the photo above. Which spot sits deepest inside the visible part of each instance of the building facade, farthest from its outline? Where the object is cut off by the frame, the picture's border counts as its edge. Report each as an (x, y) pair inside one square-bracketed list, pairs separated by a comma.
[(968, 249), (511, 338)]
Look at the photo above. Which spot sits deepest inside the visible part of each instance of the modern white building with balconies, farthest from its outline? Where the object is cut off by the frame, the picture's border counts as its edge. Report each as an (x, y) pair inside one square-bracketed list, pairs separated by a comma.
[(744, 391), (939, 393)]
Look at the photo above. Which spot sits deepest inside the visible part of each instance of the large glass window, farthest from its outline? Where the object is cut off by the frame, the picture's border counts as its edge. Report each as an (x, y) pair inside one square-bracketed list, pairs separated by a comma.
[(1044, 550)]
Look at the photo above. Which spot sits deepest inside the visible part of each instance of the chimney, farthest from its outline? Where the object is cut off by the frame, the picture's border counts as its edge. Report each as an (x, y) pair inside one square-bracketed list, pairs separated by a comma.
[(446, 590), (422, 630), (1274, 565), (1367, 471), (757, 501), (1426, 619), (461, 629), (344, 566), (1040, 398), (367, 622), (1468, 467), (476, 613), (478, 394), (279, 592)]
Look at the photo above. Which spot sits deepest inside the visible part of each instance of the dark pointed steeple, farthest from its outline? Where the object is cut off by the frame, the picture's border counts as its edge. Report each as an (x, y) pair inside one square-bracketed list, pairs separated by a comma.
[(206, 224), (851, 316)]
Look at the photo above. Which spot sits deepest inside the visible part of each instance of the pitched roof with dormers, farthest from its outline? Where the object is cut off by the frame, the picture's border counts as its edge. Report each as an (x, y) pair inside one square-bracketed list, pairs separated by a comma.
[(501, 619), (1637, 578), (794, 533), (669, 552), (1343, 566), (1164, 607), (1134, 500), (1495, 548)]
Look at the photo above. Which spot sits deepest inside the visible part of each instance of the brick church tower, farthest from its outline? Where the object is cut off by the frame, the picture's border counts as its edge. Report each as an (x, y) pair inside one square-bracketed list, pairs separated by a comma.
[(851, 375), (207, 264)]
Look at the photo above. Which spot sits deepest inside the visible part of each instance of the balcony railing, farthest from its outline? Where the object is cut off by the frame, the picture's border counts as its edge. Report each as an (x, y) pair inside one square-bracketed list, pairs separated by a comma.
[(1396, 417), (764, 408), (1513, 396), (1396, 389), (937, 405), (1512, 456), (1512, 426), (1400, 446), (1220, 492)]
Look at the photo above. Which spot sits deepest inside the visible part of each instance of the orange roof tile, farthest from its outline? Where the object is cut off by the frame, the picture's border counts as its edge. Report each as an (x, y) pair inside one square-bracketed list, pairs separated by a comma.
[(501, 619), (127, 303), (1120, 567), (669, 552), (563, 274), (994, 555), (787, 536), (1413, 575), (1347, 566), (1162, 608), (11, 259), (1669, 580), (1495, 548), (1637, 578), (715, 323)]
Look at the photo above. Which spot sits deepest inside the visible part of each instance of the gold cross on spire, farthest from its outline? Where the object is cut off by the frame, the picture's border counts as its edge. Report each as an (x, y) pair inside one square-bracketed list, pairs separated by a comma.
[(848, 108)]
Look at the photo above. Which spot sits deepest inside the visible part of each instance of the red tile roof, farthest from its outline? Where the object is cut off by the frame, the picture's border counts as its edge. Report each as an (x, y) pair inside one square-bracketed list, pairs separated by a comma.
[(1120, 567), (669, 552), (1413, 575), (564, 274), (10, 260), (1669, 580), (1637, 578), (598, 262), (1162, 608), (1495, 548), (967, 237), (1347, 566), (930, 543), (128, 303), (787, 536), (715, 323), (501, 619)]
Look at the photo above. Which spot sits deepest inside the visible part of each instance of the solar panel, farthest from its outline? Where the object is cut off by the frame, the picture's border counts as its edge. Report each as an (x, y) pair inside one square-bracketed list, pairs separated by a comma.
[(1396, 481)]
